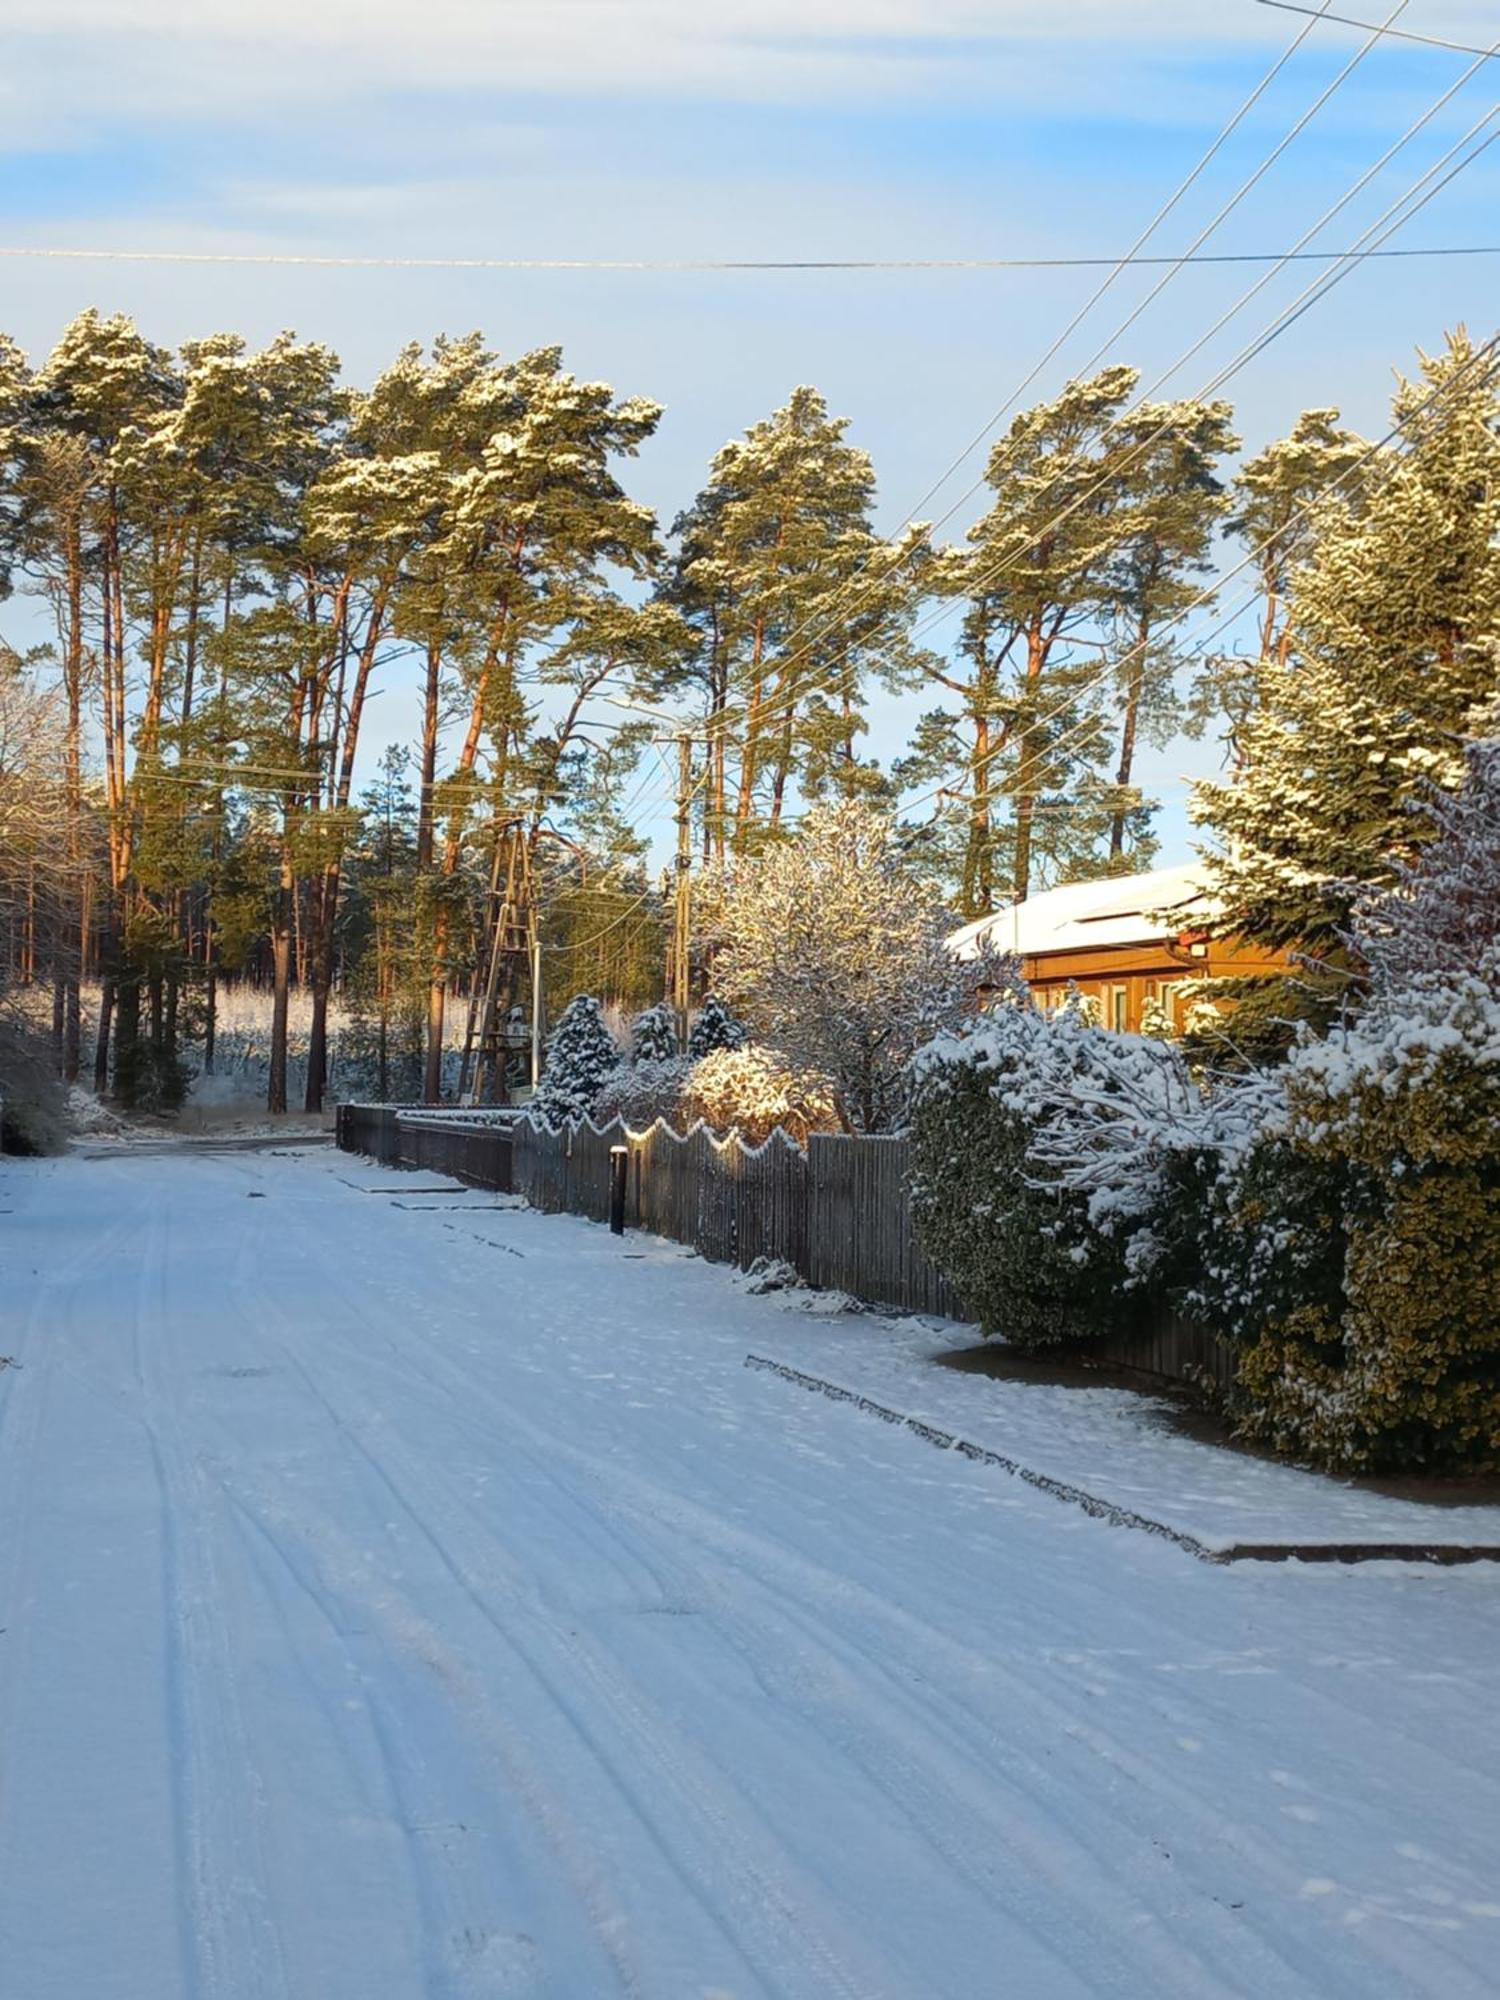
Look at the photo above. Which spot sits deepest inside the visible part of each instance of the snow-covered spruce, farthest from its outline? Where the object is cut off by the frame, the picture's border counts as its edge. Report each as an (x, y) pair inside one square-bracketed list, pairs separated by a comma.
[(653, 1035), (581, 1058), (1361, 702), (715, 1027)]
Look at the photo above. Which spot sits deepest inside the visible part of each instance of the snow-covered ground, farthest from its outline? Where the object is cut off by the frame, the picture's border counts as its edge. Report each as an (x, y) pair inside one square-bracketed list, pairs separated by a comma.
[(405, 1594), (1121, 1447)]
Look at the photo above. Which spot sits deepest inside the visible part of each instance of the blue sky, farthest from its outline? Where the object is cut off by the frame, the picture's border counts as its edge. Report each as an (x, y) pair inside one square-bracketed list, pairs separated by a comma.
[(721, 128)]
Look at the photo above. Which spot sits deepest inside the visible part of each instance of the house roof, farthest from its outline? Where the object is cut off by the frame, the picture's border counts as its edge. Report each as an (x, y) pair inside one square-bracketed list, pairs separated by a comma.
[(1119, 910)]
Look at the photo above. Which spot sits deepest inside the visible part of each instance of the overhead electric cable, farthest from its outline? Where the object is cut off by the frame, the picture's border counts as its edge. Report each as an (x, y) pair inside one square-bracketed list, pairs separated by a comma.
[(1395, 216), (709, 264), (1489, 350), (1320, 14), (1342, 263)]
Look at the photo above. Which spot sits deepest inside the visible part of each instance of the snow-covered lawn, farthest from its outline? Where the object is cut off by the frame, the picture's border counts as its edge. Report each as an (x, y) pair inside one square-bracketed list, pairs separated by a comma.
[(408, 1595)]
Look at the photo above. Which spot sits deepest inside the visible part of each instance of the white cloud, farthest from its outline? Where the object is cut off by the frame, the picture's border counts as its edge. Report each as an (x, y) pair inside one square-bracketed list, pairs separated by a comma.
[(72, 58)]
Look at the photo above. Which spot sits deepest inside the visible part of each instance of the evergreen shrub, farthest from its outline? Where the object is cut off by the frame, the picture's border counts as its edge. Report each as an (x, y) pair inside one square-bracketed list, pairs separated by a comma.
[(1021, 1251)]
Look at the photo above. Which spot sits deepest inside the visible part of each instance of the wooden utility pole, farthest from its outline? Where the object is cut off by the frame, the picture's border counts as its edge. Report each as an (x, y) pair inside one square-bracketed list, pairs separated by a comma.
[(512, 950), (683, 909)]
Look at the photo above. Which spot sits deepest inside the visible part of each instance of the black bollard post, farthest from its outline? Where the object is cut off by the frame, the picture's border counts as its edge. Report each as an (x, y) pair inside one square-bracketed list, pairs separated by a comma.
[(619, 1162)]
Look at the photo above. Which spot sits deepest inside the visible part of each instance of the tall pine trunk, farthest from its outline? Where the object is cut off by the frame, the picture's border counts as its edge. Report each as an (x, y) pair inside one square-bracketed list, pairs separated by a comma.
[(1135, 691)]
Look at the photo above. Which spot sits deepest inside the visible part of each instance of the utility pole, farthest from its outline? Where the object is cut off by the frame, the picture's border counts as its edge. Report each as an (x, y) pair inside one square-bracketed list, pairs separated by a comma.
[(682, 914), (536, 1000)]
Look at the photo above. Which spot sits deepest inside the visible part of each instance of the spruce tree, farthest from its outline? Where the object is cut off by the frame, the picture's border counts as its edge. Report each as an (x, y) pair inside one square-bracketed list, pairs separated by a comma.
[(581, 1057), (715, 1028), (653, 1035)]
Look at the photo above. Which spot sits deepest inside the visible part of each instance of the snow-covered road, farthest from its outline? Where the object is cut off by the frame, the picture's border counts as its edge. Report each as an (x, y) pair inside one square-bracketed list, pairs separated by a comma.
[(404, 1596)]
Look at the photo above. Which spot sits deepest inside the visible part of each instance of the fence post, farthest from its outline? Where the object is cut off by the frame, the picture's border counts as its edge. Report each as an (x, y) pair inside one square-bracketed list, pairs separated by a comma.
[(619, 1166)]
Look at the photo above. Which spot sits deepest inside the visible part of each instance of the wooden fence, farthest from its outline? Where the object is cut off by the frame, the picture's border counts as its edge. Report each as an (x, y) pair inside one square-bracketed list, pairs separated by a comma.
[(838, 1213), (860, 1235), (475, 1153), (733, 1203)]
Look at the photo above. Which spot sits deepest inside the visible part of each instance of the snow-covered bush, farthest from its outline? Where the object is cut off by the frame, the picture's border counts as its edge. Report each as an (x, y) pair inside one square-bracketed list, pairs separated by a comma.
[(752, 1090), (1144, 1139), (581, 1059), (653, 1035), (1399, 1112), (1021, 1249), (835, 956), (1258, 1237), (1403, 1109), (642, 1092), (713, 1028)]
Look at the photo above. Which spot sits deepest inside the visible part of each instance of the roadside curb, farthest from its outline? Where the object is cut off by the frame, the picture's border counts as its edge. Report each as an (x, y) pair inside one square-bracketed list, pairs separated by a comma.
[(1438, 1553)]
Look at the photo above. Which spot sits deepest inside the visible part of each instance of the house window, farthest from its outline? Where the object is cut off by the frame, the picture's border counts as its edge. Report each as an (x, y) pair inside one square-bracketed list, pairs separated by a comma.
[(1119, 1007)]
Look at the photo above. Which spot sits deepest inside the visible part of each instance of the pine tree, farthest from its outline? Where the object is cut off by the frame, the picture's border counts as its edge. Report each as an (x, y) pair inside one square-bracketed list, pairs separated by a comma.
[(1097, 523), (101, 382), (538, 530), (581, 1057), (715, 1027), (794, 601), (1176, 500), (1385, 664), (1274, 513)]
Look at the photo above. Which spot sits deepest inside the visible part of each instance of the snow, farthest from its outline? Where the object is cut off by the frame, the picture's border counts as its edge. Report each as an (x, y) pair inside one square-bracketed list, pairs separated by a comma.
[(1122, 910), (425, 1600), (1120, 1447)]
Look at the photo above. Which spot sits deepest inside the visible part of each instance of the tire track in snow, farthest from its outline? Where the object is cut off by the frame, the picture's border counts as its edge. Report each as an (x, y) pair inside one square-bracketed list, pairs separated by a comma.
[(26, 1393), (948, 1752), (452, 1907), (230, 1933), (766, 1904), (1197, 1817), (1065, 1861)]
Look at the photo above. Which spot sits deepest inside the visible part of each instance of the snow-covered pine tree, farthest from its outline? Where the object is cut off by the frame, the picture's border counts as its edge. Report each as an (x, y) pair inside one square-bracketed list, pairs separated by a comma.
[(715, 1028), (1367, 703), (1103, 513), (767, 552), (1274, 514), (653, 1035), (581, 1057)]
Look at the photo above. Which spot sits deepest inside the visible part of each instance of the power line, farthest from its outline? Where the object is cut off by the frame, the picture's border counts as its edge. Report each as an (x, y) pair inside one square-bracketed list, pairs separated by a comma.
[(1184, 187), (1488, 350), (811, 264), (1397, 34), (826, 619), (1297, 249), (1421, 192), (1392, 219), (583, 944)]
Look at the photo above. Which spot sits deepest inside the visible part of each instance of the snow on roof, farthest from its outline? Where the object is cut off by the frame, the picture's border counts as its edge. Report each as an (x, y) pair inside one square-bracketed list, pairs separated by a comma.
[(1119, 910)]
